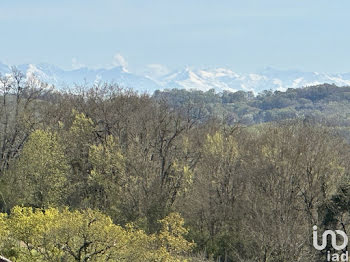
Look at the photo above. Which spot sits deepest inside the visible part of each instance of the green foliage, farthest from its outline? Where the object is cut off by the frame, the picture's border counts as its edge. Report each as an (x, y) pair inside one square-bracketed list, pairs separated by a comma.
[(39, 174), (172, 235), (107, 175), (322, 103), (63, 235)]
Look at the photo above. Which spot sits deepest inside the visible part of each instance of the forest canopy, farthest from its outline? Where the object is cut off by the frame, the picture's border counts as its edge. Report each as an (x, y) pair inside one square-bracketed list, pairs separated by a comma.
[(325, 102), (101, 173)]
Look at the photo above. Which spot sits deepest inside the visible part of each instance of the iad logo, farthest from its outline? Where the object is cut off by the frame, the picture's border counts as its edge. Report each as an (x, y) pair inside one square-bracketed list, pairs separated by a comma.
[(335, 256), (333, 238)]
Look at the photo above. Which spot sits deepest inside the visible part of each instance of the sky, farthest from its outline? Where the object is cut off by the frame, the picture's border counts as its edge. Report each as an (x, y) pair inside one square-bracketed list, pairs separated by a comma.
[(245, 35)]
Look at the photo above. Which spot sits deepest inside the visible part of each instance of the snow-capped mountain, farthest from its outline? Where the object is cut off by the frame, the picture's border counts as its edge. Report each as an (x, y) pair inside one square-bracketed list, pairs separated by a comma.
[(219, 79), (67, 78), (222, 79)]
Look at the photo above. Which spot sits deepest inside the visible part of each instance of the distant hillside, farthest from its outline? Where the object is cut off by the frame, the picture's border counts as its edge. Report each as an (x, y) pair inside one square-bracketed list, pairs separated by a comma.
[(328, 103)]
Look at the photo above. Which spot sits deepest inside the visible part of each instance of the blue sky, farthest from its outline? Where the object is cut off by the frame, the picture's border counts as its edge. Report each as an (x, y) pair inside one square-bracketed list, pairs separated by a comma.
[(245, 35)]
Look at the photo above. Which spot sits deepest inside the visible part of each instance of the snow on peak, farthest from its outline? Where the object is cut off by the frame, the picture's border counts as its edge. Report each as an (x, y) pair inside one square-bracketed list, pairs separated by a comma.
[(220, 79)]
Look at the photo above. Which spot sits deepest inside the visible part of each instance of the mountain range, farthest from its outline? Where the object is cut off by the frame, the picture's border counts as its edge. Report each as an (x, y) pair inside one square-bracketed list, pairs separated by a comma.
[(219, 79)]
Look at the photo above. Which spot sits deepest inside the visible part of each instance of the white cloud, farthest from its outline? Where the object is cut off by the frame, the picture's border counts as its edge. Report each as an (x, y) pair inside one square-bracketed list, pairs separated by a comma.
[(76, 64), (119, 60)]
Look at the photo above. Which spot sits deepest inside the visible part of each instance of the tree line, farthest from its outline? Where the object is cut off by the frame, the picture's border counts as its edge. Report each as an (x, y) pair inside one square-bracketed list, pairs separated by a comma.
[(326, 102)]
